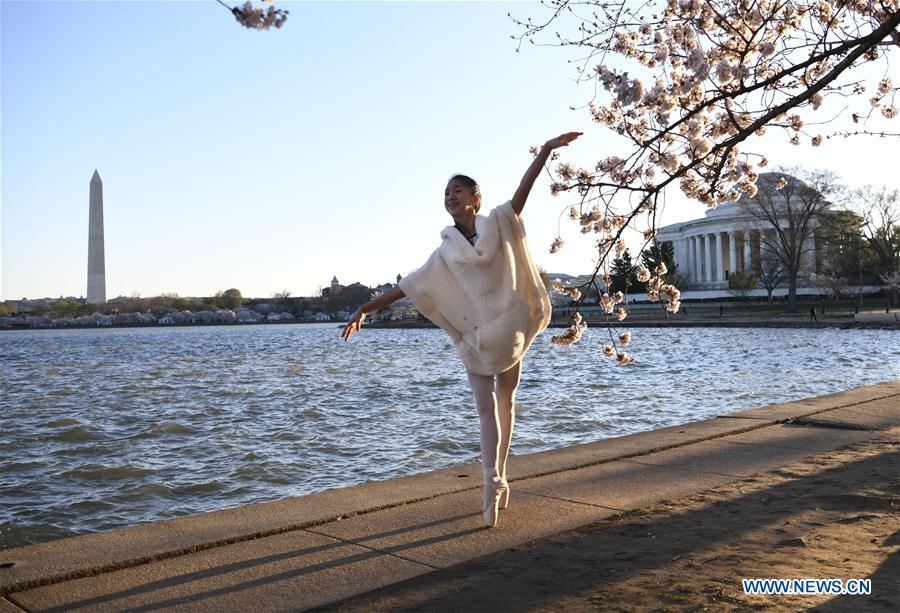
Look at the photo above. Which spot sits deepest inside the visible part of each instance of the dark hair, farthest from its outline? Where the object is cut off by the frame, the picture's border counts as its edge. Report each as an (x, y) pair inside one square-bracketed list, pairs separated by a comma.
[(473, 185)]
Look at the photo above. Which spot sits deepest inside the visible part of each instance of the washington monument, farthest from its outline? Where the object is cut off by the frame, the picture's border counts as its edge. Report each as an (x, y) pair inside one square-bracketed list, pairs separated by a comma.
[(96, 289)]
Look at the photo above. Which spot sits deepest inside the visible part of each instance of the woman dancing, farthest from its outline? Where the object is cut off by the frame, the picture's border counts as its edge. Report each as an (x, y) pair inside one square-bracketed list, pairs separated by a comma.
[(483, 289)]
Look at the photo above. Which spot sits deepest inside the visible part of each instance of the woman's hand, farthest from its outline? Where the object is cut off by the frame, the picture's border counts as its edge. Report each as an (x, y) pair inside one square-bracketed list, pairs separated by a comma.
[(355, 323), (537, 164), (375, 304), (562, 140)]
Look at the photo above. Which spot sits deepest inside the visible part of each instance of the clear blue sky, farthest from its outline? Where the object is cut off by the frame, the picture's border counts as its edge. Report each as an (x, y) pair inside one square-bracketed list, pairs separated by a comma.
[(272, 161)]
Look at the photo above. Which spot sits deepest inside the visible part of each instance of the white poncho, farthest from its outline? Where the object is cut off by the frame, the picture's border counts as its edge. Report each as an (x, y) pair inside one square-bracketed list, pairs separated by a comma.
[(488, 297)]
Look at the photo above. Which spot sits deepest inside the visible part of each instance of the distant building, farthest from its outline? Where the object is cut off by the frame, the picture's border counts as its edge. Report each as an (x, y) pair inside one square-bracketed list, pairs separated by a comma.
[(353, 291), (334, 289), (357, 290), (726, 240)]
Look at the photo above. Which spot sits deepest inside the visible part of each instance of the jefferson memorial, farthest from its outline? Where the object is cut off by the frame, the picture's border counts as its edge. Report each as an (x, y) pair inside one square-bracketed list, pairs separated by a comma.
[(727, 240)]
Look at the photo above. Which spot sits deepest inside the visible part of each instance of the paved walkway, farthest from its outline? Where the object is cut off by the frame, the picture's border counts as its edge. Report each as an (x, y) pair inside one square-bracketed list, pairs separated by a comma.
[(322, 548)]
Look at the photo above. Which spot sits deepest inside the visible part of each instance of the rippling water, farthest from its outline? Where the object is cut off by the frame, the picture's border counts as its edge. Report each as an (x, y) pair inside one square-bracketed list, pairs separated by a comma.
[(107, 428)]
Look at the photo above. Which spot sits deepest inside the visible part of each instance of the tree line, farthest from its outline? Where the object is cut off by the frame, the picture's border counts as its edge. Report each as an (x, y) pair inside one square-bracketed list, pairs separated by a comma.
[(225, 299)]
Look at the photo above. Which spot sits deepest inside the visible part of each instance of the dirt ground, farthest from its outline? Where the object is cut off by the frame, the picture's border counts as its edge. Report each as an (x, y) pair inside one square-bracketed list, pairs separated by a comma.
[(833, 515)]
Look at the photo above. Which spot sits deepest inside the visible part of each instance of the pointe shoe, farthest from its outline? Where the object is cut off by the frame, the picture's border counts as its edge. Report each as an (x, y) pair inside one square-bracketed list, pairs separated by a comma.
[(492, 493), (504, 494)]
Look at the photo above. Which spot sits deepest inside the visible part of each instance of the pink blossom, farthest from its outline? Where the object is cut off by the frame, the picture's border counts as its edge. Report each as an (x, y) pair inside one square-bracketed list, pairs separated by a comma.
[(624, 359)]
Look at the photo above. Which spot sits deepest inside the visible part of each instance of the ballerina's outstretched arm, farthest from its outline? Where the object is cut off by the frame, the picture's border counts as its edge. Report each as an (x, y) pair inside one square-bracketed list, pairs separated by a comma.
[(379, 302), (521, 195)]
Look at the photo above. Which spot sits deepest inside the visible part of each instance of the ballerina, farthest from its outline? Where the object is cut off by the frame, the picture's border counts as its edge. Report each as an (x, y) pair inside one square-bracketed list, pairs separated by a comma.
[(483, 289)]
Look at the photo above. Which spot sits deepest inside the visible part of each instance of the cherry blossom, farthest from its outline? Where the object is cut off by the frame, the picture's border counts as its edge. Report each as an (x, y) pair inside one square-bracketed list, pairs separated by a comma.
[(256, 17)]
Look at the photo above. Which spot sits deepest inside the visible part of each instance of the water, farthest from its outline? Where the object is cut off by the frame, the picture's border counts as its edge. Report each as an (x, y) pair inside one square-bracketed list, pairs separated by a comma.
[(107, 428)]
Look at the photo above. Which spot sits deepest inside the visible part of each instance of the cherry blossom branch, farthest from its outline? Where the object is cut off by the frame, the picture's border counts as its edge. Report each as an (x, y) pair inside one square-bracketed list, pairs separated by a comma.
[(728, 70)]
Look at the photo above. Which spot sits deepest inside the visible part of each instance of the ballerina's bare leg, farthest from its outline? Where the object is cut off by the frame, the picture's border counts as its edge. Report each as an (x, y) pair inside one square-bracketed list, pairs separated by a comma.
[(486, 403), (507, 385)]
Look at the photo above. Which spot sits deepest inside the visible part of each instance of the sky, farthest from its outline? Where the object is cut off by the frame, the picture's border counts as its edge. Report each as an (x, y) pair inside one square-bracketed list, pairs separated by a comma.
[(274, 160)]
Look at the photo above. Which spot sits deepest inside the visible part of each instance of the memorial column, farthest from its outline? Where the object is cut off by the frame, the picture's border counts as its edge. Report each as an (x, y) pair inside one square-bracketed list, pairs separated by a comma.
[(698, 258), (707, 240), (732, 253), (720, 268), (748, 260)]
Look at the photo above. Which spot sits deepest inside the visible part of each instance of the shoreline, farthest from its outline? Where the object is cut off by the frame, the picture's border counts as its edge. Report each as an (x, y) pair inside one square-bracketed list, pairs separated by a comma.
[(734, 323), (712, 322)]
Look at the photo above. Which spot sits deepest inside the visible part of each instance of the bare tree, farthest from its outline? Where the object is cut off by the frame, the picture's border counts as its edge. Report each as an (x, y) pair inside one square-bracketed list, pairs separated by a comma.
[(698, 79), (880, 225), (282, 298), (771, 273), (788, 207)]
